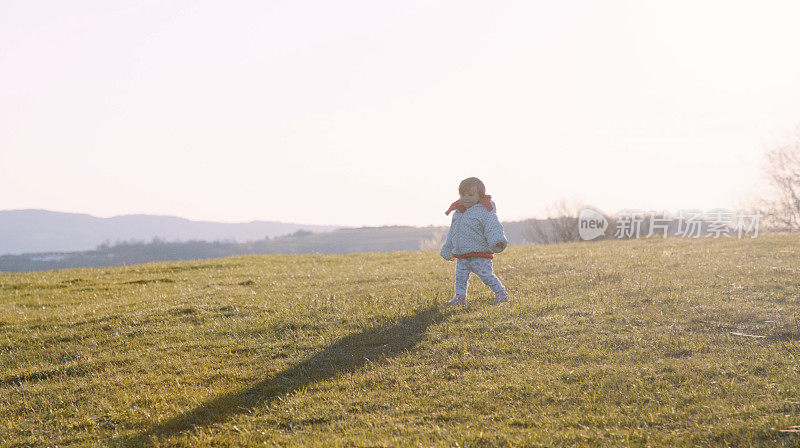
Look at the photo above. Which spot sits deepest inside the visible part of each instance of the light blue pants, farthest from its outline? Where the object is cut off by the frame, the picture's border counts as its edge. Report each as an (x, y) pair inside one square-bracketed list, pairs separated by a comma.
[(482, 267)]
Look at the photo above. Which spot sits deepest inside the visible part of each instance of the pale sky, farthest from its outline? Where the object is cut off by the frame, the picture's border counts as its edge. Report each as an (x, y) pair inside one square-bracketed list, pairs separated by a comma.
[(370, 113)]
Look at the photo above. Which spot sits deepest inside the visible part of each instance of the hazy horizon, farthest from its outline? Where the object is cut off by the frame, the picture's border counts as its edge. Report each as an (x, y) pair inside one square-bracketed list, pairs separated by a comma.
[(369, 114)]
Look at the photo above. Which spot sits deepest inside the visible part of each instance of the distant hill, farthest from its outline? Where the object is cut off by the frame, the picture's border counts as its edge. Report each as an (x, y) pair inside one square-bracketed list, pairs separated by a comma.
[(30, 231), (364, 239), (134, 239)]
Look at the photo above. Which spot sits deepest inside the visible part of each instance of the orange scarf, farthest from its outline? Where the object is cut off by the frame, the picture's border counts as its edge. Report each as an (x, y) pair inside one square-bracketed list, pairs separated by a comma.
[(486, 201)]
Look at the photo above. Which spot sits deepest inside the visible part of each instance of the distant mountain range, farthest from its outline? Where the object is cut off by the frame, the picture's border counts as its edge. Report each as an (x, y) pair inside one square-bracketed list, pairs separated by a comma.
[(363, 239), (33, 240), (34, 231)]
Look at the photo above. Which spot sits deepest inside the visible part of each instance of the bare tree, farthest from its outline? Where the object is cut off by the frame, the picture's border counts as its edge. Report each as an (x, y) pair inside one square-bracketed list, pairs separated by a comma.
[(436, 240), (781, 209), (560, 226)]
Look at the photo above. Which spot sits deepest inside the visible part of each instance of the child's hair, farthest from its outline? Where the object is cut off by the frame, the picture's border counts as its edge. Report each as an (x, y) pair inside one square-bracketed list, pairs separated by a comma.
[(469, 183)]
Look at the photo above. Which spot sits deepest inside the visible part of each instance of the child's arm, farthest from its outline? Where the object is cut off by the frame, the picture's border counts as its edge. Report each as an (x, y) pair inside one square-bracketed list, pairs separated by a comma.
[(447, 249), (493, 231)]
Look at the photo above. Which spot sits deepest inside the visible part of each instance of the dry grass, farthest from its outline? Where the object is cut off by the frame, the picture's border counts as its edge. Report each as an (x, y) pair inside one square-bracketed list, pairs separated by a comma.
[(611, 343)]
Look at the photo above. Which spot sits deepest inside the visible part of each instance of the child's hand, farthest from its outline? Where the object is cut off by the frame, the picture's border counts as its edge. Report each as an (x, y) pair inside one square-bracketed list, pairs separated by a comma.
[(501, 245)]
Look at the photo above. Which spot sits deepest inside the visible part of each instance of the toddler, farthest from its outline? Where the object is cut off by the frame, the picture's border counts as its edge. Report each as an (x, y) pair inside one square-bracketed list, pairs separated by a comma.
[(475, 234)]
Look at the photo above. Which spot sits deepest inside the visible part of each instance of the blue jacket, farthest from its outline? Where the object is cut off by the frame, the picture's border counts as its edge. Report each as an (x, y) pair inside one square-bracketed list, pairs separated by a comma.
[(475, 230)]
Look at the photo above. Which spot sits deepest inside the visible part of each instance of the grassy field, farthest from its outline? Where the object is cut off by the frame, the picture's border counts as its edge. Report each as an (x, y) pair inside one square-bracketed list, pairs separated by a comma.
[(675, 342)]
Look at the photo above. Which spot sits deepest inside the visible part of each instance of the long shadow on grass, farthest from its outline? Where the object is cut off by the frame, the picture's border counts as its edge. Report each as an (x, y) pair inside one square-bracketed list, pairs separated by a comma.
[(348, 354)]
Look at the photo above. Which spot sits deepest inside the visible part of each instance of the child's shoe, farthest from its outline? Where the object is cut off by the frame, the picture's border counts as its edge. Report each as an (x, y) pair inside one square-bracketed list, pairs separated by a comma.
[(501, 297), (458, 300)]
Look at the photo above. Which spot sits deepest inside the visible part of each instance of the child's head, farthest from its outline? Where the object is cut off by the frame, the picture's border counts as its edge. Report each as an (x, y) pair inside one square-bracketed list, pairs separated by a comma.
[(471, 190)]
